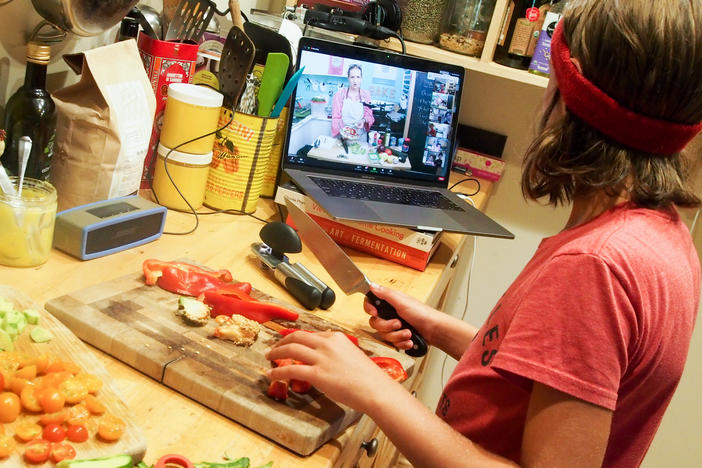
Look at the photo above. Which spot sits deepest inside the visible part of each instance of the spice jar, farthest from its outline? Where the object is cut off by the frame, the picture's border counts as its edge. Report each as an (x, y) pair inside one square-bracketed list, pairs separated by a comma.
[(421, 19), (465, 26)]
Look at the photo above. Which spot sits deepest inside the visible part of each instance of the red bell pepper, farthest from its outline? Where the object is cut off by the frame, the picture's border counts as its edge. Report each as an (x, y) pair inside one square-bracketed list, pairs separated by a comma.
[(278, 390), (287, 331), (153, 269), (392, 367), (191, 283), (228, 304), (298, 386)]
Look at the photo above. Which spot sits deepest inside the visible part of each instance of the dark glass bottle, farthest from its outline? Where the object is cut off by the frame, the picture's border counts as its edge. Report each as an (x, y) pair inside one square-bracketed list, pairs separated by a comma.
[(31, 112), (519, 32)]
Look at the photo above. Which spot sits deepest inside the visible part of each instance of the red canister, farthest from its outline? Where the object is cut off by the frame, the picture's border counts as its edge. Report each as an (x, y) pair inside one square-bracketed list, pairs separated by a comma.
[(166, 62)]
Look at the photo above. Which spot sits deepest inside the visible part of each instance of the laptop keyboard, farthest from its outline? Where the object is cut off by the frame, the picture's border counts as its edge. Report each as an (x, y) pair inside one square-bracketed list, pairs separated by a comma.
[(384, 193)]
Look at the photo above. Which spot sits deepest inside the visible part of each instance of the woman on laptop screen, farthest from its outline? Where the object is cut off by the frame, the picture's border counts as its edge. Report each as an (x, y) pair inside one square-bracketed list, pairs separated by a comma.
[(352, 116), (576, 364)]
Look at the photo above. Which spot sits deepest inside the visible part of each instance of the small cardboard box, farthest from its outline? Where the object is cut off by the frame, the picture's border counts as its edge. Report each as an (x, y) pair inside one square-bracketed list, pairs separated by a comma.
[(166, 62)]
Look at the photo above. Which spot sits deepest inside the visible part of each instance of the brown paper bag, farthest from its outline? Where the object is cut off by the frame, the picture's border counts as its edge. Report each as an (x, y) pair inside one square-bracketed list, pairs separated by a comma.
[(103, 126)]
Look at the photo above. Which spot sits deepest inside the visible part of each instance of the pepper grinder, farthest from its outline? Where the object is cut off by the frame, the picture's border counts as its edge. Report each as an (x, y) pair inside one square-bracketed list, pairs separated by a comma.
[(278, 239)]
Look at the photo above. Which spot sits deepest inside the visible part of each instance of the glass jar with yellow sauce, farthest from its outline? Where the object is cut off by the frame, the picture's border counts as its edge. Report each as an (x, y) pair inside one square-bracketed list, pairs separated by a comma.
[(27, 224)]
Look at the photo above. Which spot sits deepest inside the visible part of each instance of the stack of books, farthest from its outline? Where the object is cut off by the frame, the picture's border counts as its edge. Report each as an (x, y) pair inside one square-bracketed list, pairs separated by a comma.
[(401, 245)]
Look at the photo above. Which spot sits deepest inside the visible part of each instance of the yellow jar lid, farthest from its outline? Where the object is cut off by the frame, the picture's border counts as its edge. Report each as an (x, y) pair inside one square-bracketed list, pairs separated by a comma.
[(195, 94)]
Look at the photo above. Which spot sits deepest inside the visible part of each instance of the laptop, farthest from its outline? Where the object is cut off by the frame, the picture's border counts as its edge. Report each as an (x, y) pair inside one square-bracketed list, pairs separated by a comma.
[(381, 154)]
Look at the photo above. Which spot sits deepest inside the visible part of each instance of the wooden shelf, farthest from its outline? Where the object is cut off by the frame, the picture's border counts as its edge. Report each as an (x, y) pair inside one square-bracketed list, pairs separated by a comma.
[(484, 64), (469, 63)]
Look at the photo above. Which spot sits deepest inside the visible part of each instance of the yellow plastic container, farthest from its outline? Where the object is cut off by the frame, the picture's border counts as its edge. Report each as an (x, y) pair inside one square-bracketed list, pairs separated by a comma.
[(27, 224), (191, 111), (189, 174), (239, 162)]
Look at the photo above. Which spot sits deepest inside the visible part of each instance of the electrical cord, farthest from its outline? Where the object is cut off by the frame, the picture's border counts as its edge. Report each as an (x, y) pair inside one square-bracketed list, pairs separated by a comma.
[(192, 209), (402, 42), (468, 179)]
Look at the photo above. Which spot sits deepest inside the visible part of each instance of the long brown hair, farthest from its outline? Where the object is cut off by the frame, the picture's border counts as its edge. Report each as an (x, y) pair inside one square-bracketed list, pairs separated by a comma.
[(648, 56)]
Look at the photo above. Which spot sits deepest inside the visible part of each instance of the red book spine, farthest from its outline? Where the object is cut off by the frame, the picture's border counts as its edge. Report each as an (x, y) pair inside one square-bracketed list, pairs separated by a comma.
[(372, 244)]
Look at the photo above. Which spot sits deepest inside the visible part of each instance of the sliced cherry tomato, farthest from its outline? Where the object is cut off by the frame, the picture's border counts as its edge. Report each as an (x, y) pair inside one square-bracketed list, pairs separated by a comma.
[(110, 428), (77, 433), (9, 407), (77, 414), (73, 390), (173, 460), (2, 381), (29, 399), (50, 399), (53, 418), (392, 367), (7, 446), (17, 384), (37, 451), (94, 405), (54, 433), (62, 451), (5, 377), (54, 379), (28, 372), (42, 363), (91, 382), (27, 430)]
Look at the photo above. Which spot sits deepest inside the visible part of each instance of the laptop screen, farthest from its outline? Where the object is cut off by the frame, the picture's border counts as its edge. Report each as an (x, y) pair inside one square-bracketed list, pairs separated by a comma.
[(367, 111)]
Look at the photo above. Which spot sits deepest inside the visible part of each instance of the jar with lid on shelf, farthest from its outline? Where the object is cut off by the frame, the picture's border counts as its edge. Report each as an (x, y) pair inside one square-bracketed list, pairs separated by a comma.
[(465, 26), (421, 19)]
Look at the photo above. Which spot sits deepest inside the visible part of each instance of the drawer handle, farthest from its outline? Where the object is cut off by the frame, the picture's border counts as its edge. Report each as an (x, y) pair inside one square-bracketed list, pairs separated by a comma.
[(370, 446), (454, 261)]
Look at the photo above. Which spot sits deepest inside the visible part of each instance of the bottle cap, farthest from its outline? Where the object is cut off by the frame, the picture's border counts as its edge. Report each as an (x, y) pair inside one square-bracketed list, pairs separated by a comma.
[(38, 53)]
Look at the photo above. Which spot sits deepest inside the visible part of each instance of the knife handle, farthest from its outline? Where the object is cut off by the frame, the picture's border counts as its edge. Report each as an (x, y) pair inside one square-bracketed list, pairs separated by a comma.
[(387, 312), (308, 295)]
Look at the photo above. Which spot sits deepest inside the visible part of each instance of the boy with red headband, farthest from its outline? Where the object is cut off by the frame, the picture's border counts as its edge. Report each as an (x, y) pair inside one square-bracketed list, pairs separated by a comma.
[(576, 364)]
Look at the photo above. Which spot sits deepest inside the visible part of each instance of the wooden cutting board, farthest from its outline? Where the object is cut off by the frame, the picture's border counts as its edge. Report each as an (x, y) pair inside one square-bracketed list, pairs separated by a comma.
[(137, 324), (66, 346)]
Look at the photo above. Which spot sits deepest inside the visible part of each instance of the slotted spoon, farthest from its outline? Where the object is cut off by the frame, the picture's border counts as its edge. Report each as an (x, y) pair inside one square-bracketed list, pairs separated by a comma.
[(237, 58)]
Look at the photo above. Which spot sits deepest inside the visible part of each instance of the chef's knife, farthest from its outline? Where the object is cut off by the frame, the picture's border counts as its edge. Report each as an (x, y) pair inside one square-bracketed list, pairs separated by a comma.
[(346, 274)]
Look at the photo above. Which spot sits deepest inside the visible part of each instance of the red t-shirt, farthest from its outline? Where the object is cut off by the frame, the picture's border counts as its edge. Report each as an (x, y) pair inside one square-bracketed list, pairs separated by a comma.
[(603, 311)]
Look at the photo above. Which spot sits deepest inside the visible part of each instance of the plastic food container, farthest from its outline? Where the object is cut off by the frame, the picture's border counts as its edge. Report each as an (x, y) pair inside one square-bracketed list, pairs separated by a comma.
[(191, 111), (466, 25), (27, 224), (421, 19), (189, 173)]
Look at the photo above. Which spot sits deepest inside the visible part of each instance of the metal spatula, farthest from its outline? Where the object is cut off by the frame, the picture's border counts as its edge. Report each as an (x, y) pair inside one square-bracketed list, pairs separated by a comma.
[(190, 20), (237, 57)]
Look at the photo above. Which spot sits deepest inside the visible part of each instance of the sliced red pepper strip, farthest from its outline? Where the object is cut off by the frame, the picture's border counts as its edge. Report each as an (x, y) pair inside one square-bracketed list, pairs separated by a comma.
[(225, 304), (287, 331), (190, 283), (153, 269), (278, 390), (392, 367)]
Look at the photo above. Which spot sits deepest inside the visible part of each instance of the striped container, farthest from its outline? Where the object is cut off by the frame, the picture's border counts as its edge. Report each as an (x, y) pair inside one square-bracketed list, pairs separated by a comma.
[(270, 179), (239, 162)]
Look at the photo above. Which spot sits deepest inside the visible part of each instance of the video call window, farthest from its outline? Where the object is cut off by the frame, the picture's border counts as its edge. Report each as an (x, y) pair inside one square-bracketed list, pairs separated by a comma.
[(371, 115)]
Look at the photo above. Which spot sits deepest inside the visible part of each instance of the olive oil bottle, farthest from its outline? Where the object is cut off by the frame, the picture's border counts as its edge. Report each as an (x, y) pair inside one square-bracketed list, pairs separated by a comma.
[(520, 31), (31, 112)]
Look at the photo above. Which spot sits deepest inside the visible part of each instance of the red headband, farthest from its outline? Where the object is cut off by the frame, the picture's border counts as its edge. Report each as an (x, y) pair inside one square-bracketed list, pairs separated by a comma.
[(600, 111)]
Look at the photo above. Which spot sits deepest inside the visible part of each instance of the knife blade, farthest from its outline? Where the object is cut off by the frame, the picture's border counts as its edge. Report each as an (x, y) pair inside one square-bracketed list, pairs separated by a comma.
[(345, 273)]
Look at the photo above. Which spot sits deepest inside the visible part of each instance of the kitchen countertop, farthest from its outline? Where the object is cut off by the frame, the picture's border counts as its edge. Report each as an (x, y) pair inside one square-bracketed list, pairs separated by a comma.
[(174, 423)]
